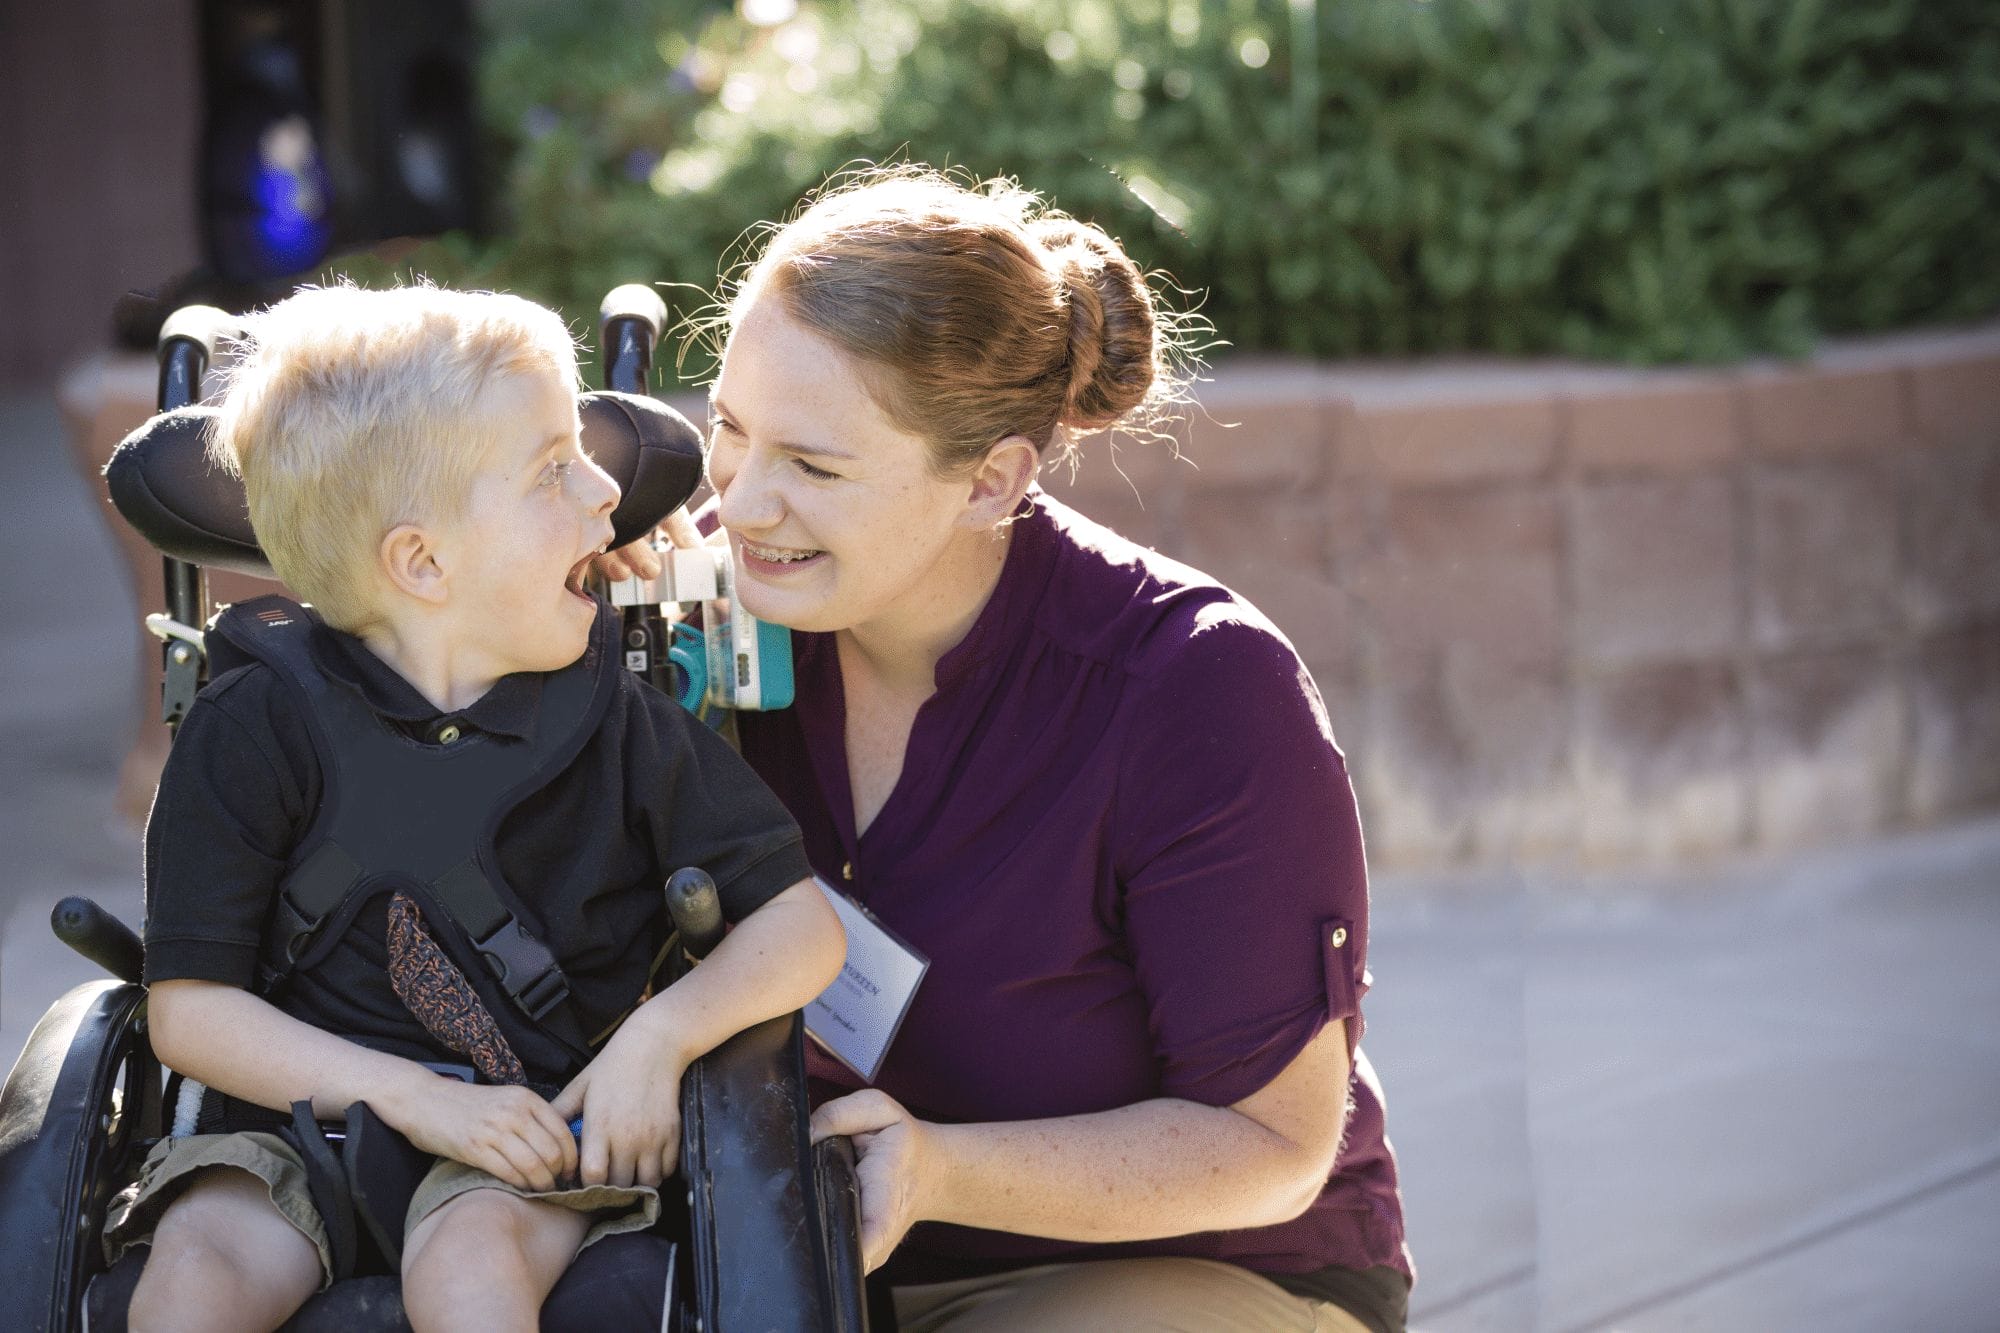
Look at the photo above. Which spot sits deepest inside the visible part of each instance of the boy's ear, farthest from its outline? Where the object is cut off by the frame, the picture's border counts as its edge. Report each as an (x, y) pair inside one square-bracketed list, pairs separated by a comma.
[(408, 559), (1000, 480)]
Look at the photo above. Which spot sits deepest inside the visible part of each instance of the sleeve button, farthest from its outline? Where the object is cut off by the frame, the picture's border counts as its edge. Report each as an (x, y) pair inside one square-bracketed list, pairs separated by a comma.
[(1339, 936)]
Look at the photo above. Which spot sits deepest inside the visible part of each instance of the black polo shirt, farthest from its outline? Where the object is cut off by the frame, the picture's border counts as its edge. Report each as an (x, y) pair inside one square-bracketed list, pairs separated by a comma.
[(588, 855)]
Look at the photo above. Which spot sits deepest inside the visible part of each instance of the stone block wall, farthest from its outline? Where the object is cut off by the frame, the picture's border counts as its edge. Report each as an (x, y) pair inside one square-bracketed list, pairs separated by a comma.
[(1607, 617)]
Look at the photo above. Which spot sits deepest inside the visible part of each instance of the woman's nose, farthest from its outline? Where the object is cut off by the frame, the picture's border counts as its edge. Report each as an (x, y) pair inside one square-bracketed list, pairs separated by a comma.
[(747, 500)]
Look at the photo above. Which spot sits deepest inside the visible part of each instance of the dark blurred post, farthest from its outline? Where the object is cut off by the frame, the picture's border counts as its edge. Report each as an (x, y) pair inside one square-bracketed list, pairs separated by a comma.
[(332, 124)]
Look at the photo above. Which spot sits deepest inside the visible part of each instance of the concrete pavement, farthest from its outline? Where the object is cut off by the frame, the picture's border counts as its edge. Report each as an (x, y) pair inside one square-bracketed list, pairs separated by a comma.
[(1764, 1097), (1759, 1097)]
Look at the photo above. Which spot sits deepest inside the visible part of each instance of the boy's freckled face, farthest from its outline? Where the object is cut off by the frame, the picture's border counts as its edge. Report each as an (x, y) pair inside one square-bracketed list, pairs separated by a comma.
[(538, 511)]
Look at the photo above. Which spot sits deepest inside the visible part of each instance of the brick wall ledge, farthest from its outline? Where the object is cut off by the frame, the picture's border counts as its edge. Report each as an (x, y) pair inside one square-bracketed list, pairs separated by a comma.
[(1609, 617)]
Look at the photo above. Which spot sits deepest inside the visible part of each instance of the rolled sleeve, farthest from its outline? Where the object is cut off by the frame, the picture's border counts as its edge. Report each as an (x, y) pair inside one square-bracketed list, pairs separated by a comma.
[(1244, 884)]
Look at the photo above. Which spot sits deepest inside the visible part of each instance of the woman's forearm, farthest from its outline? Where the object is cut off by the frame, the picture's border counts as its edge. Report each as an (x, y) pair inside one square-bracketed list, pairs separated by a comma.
[(1157, 1168)]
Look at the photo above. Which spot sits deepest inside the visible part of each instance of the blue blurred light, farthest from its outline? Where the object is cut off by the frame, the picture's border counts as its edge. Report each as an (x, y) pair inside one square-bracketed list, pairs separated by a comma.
[(292, 238)]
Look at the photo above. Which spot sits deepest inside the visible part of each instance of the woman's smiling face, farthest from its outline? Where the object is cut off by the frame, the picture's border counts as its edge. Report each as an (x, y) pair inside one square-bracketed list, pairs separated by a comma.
[(833, 512)]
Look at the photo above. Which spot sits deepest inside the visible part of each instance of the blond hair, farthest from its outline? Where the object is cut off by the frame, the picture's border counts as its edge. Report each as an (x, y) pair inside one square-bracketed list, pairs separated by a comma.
[(348, 412), (974, 311)]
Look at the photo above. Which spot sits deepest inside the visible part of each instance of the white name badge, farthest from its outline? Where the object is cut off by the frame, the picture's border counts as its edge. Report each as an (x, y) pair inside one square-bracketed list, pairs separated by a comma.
[(856, 1017)]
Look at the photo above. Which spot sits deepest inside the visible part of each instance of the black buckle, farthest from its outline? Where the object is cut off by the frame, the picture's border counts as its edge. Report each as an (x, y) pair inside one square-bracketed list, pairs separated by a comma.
[(525, 968), (180, 681), (295, 929)]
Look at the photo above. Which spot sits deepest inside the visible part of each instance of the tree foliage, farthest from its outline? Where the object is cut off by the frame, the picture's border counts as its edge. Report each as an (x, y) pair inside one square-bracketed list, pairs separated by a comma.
[(1643, 180)]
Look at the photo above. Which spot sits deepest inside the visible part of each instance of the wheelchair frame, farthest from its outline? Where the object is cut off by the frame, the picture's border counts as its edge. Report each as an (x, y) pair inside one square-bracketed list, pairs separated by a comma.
[(85, 1099)]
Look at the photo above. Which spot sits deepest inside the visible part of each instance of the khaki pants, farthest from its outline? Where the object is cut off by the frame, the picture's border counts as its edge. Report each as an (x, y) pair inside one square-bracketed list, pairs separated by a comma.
[(1131, 1295)]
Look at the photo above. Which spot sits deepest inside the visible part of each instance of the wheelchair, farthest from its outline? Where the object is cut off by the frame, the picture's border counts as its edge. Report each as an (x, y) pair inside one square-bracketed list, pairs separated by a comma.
[(768, 1237)]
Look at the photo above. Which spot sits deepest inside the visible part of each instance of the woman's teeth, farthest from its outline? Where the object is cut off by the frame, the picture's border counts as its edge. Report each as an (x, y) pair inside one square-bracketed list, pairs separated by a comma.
[(777, 555)]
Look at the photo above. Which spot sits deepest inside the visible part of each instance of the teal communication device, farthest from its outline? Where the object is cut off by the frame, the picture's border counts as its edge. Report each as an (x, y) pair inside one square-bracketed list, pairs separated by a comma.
[(731, 660)]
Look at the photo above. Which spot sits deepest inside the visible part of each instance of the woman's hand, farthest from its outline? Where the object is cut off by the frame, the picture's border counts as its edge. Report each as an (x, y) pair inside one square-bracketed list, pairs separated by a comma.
[(635, 561), (897, 1166), (639, 559), (630, 1101)]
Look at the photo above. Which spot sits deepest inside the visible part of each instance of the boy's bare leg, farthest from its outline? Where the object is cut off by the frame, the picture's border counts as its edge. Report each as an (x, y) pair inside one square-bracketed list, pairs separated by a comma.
[(224, 1258), (487, 1260)]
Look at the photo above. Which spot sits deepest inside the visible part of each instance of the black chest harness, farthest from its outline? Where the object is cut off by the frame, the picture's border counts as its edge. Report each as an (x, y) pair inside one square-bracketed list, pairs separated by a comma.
[(397, 813)]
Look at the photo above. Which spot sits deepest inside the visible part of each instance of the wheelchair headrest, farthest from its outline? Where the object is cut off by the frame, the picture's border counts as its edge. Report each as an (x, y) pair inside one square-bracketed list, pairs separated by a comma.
[(162, 481)]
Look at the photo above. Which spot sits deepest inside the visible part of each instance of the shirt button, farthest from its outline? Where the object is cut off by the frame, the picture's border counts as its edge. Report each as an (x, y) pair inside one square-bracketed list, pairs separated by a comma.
[(448, 733), (847, 871), (1339, 936)]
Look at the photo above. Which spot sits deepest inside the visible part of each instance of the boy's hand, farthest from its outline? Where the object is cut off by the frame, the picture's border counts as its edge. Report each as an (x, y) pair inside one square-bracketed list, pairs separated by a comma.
[(630, 1100), (508, 1132)]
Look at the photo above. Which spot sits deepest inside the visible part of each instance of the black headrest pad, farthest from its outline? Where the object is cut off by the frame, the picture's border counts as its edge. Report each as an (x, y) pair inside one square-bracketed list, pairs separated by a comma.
[(162, 481)]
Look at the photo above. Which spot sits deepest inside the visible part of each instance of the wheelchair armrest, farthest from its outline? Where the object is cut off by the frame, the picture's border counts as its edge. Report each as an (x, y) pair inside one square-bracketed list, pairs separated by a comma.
[(769, 1251), (100, 937), (58, 1163)]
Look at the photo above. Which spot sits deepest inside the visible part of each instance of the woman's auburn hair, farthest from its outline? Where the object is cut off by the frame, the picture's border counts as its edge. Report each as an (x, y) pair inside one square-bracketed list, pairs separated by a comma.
[(973, 310)]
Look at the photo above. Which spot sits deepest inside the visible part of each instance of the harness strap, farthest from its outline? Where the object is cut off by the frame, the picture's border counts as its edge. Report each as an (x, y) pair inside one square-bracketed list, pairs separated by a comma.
[(424, 818)]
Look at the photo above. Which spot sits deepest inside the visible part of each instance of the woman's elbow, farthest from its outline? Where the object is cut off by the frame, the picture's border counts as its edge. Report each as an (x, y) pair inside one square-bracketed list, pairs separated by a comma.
[(1298, 1179), (1290, 1196)]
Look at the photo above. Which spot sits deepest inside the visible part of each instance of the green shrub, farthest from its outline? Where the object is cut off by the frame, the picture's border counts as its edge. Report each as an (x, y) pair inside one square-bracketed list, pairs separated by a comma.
[(1646, 180)]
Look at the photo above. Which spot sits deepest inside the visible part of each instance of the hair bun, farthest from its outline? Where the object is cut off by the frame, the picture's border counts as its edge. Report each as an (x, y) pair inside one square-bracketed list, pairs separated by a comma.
[(1113, 358)]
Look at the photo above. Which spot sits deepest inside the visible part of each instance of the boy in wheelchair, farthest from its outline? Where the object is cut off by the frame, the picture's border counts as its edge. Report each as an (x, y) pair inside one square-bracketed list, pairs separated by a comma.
[(405, 863)]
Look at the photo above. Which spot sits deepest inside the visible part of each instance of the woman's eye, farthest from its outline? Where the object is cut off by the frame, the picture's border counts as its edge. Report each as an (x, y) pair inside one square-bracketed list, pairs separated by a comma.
[(556, 473), (816, 473)]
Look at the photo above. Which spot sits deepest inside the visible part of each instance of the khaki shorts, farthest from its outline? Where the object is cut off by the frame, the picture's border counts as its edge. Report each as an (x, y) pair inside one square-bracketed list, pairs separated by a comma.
[(171, 1166)]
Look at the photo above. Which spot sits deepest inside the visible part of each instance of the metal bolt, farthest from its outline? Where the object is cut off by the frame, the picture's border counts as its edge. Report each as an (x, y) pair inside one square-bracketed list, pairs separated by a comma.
[(181, 654)]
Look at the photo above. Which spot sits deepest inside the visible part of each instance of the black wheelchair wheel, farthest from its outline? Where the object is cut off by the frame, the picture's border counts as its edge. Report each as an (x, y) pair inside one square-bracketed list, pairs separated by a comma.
[(82, 1102)]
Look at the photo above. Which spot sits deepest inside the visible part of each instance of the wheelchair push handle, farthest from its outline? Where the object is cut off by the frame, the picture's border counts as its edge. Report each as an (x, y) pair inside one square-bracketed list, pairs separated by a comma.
[(696, 909), (188, 342), (629, 324), (100, 937)]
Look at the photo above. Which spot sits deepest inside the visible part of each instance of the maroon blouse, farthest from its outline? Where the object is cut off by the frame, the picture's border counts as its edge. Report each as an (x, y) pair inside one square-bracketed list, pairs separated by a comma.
[(1125, 839)]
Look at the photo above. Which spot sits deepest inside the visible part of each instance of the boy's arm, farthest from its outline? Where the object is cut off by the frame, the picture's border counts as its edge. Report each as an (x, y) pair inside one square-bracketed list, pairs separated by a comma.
[(773, 961), (239, 1044)]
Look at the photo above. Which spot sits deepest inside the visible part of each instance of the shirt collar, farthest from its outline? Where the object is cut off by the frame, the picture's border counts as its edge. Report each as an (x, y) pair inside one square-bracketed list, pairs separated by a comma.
[(1023, 576), (508, 709)]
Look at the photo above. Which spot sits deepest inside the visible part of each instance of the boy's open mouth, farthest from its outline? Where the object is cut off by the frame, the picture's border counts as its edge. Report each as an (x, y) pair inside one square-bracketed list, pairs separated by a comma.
[(581, 571)]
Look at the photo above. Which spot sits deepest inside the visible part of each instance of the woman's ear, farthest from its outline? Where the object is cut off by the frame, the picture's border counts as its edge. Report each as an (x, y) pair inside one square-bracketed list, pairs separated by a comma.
[(1002, 478), (409, 560)]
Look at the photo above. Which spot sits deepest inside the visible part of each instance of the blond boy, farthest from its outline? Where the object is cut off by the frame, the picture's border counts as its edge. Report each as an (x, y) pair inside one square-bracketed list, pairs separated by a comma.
[(414, 470)]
